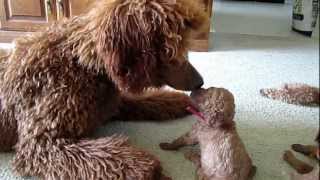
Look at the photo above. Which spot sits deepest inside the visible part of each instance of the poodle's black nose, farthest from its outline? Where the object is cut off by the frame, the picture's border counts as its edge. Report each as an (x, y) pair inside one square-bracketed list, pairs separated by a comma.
[(200, 84), (197, 82)]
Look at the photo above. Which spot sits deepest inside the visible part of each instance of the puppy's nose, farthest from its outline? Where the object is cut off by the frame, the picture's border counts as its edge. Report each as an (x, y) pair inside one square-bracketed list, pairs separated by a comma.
[(197, 92)]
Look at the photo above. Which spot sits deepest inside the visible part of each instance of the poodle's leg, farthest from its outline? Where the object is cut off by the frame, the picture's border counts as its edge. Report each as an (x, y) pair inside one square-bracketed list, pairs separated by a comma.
[(104, 158), (299, 166), (184, 140), (153, 105), (8, 130), (48, 144), (252, 172), (308, 150)]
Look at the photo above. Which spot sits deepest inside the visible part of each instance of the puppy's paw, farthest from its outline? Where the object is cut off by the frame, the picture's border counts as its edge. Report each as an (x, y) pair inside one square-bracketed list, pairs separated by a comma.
[(190, 155), (167, 146), (193, 156)]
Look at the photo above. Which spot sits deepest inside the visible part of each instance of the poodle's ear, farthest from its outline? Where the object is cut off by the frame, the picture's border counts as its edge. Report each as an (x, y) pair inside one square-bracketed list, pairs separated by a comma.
[(129, 73), (195, 16), (123, 39), (134, 37)]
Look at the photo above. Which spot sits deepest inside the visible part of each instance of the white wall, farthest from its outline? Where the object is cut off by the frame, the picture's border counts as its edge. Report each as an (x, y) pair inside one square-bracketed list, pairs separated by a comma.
[(315, 33)]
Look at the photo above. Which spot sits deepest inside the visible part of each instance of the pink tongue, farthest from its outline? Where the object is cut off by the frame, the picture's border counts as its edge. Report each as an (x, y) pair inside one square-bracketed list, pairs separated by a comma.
[(195, 112)]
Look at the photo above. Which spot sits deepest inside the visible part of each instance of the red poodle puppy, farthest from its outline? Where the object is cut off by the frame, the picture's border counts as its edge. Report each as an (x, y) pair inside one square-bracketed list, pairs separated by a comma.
[(223, 155), (58, 85)]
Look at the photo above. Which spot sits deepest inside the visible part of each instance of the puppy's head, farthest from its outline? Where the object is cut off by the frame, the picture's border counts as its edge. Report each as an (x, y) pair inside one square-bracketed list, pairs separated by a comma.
[(215, 106), (143, 43)]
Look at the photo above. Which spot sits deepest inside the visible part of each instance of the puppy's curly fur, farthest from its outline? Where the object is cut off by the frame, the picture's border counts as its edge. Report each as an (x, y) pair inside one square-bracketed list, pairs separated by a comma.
[(223, 155), (294, 93), (58, 85)]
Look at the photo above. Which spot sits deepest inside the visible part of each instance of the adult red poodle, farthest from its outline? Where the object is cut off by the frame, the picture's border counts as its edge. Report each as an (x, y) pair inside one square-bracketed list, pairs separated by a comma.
[(57, 86)]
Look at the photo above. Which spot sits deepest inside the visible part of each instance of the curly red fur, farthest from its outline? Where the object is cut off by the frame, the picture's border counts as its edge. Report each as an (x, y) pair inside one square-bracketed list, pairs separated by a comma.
[(110, 157), (58, 85)]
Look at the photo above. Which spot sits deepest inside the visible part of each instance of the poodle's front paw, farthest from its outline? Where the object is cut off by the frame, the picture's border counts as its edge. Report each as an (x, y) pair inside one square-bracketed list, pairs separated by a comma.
[(168, 146)]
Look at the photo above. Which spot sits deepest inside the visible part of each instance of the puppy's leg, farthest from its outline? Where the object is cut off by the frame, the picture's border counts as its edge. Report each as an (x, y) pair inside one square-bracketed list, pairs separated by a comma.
[(308, 150), (300, 166), (201, 175), (153, 105), (184, 140), (8, 130), (194, 157)]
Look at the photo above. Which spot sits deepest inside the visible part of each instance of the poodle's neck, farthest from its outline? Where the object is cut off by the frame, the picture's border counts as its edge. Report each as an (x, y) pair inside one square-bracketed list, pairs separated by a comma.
[(82, 44), (73, 38)]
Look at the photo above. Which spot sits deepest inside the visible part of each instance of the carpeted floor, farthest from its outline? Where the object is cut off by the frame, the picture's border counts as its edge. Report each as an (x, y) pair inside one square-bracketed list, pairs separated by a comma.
[(243, 64)]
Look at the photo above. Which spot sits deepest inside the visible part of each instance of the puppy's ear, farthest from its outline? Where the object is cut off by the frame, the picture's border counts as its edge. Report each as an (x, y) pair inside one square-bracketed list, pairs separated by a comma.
[(220, 120)]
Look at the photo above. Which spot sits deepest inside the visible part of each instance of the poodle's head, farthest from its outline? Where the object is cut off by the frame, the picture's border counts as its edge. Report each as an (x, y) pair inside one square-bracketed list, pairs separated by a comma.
[(215, 106), (143, 43)]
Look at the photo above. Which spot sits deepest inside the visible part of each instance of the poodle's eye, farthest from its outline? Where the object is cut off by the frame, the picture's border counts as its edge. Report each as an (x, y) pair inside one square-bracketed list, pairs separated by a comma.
[(187, 23), (173, 63), (125, 71)]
